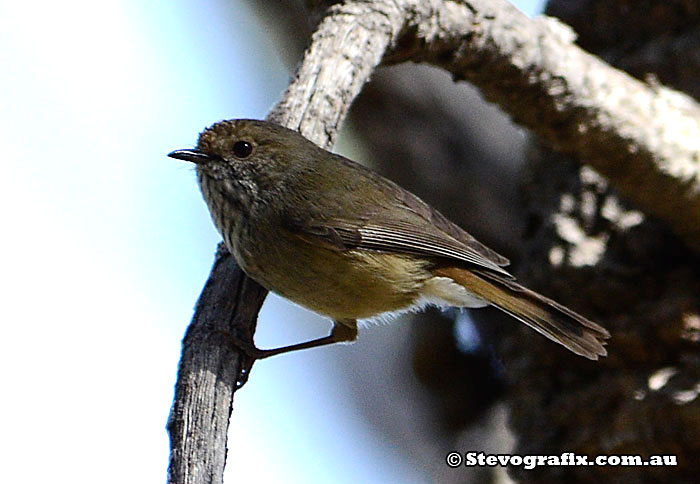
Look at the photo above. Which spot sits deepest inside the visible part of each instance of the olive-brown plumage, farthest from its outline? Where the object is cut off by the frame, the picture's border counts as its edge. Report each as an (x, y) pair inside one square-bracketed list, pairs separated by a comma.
[(345, 242)]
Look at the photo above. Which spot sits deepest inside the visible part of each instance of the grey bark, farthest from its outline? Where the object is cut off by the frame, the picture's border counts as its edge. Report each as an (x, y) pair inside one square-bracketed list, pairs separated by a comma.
[(646, 141), (210, 369)]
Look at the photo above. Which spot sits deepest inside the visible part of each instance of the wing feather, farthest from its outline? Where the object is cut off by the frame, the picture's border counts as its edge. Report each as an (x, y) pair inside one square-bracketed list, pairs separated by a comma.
[(394, 236)]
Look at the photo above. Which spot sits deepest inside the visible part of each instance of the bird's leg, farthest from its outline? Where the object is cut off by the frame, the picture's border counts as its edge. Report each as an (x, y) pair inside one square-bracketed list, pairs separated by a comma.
[(342, 331)]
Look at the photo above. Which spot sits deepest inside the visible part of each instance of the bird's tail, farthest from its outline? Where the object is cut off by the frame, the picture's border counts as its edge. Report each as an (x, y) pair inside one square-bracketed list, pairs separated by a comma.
[(545, 316)]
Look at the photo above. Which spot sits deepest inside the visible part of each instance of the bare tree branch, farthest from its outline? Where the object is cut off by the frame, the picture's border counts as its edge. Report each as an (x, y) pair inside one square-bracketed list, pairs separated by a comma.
[(644, 138), (345, 49), (209, 371)]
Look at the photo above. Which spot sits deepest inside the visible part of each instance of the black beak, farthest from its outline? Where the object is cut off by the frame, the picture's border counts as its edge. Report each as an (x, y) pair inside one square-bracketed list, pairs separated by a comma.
[(195, 156)]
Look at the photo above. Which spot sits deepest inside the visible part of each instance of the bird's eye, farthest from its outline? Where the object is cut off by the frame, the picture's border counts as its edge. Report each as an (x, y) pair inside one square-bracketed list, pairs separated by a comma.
[(242, 149)]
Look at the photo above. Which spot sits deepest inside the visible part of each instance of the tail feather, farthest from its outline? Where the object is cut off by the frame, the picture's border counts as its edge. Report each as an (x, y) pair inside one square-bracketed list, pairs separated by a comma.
[(547, 317)]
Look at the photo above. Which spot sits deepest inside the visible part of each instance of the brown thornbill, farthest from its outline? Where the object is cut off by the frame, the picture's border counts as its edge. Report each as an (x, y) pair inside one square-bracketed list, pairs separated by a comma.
[(337, 238)]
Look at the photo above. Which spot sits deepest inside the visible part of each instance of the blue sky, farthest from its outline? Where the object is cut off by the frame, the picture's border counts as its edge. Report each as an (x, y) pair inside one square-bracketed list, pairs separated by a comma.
[(109, 243)]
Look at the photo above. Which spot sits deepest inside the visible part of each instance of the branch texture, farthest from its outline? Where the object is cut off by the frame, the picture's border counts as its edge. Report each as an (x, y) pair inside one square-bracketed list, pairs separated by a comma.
[(348, 45), (644, 138), (209, 371)]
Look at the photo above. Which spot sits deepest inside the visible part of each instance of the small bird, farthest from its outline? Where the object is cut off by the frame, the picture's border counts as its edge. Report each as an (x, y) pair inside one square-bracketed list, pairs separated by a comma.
[(345, 242)]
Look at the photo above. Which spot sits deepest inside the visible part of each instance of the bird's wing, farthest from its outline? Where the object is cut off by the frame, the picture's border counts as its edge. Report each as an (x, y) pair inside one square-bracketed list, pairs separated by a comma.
[(443, 224), (386, 217), (417, 237)]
